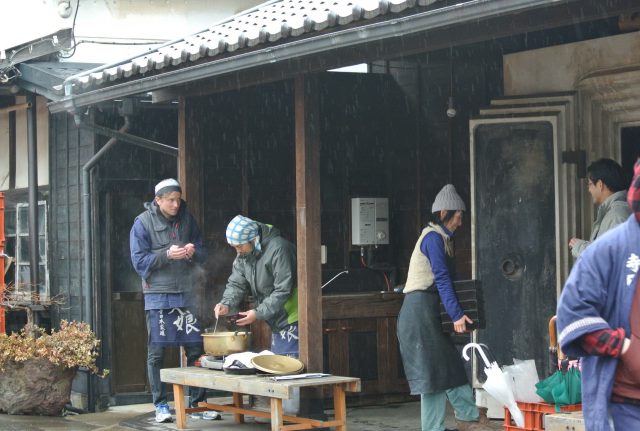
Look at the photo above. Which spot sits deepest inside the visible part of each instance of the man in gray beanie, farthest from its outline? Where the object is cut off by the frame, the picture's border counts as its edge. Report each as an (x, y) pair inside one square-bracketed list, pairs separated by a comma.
[(432, 364), (166, 248)]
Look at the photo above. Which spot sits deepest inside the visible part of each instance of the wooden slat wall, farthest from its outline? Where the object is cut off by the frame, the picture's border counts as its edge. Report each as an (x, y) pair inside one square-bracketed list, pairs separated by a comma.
[(71, 149), (247, 148), (367, 135), (368, 150)]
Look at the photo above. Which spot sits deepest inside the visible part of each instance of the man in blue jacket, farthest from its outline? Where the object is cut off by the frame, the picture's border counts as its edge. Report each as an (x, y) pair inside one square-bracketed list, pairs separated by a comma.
[(599, 320), (166, 251)]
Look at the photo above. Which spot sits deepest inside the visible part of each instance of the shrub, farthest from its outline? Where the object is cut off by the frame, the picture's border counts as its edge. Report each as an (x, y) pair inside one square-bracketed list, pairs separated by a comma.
[(73, 345)]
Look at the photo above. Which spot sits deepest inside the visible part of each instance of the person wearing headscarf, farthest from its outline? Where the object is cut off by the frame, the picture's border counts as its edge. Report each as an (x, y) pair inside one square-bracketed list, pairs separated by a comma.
[(265, 268), (598, 319), (166, 250), (432, 364)]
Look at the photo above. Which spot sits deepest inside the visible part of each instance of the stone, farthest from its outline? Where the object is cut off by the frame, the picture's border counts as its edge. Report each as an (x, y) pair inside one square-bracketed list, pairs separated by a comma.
[(35, 387)]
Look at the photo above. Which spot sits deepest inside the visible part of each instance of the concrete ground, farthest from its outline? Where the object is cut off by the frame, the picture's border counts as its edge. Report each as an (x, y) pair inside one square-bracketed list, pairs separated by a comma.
[(403, 416)]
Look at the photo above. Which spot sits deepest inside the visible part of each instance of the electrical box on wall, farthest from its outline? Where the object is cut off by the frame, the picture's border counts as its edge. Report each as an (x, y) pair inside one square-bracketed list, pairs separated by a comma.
[(369, 221)]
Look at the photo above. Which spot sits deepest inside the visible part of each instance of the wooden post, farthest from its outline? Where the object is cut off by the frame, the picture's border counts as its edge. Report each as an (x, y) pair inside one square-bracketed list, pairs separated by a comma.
[(182, 142), (190, 166), (276, 414), (237, 401), (190, 176), (340, 407), (308, 222), (178, 399)]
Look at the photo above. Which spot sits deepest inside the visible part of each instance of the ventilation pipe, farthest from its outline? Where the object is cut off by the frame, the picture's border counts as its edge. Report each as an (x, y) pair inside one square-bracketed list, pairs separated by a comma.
[(32, 171)]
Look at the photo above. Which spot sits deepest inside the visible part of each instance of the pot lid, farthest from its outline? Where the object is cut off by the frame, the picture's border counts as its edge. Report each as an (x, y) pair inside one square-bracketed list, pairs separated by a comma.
[(277, 364)]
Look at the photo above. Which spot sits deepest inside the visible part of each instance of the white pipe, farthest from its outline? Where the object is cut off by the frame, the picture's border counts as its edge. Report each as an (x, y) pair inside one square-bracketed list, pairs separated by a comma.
[(334, 277)]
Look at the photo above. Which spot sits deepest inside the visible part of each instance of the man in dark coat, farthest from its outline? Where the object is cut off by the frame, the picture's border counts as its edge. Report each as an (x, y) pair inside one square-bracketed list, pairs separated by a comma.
[(166, 250)]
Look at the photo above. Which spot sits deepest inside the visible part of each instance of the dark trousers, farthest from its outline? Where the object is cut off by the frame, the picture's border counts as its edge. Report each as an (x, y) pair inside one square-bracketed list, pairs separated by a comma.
[(155, 359), (625, 416)]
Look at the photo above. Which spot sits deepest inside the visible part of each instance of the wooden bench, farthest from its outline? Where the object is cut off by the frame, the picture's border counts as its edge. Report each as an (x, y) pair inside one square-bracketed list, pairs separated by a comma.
[(262, 385)]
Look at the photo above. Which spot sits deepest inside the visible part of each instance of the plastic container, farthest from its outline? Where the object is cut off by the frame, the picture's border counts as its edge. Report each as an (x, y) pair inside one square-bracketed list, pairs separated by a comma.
[(533, 415)]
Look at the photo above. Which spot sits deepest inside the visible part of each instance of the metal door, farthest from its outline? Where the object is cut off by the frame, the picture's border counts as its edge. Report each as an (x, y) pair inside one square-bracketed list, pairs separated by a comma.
[(514, 165)]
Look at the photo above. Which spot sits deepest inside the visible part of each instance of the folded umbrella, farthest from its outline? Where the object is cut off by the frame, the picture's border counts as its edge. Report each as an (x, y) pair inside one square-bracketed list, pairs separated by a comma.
[(561, 388), (497, 384)]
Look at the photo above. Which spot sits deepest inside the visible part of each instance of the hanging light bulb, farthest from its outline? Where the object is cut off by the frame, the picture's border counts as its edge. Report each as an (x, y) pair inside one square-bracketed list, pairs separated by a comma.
[(451, 110)]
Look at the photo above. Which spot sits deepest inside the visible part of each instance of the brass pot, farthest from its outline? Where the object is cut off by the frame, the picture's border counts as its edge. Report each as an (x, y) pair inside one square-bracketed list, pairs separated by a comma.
[(225, 343)]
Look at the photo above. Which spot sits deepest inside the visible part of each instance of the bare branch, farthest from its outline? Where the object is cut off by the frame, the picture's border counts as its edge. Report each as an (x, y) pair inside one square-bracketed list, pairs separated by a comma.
[(23, 298)]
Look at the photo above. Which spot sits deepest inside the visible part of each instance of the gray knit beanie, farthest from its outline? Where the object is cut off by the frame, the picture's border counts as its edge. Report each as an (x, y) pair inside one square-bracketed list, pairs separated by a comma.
[(448, 199)]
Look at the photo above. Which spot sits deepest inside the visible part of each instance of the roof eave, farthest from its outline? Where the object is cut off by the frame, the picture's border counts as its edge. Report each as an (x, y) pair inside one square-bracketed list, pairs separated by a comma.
[(46, 78), (391, 28)]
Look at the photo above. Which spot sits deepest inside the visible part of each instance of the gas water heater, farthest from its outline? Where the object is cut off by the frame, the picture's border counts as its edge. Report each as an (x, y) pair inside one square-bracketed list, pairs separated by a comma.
[(369, 221)]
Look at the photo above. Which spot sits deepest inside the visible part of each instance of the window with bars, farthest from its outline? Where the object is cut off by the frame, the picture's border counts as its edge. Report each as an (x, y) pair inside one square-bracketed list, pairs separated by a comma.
[(16, 220)]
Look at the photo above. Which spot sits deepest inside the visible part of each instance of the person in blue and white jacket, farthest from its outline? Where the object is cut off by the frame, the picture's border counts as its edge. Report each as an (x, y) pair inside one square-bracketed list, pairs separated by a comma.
[(598, 319)]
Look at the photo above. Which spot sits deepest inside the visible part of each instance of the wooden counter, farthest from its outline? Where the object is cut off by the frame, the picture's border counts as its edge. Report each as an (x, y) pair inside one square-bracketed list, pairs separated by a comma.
[(360, 340), (262, 385), (357, 305)]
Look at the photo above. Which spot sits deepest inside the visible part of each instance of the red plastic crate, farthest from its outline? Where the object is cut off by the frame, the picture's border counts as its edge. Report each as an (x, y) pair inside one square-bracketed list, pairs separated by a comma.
[(533, 415)]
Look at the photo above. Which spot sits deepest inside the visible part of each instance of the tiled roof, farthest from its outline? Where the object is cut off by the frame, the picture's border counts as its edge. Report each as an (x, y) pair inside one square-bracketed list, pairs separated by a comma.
[(268, 23)]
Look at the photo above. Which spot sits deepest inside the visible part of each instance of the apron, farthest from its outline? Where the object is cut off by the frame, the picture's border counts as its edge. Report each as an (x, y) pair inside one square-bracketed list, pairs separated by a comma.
[(173, 327), (431, 361), (285, 342)]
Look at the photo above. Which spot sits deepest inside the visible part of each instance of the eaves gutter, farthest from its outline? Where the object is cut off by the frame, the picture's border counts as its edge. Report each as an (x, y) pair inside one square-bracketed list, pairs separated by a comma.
[(391, 28)]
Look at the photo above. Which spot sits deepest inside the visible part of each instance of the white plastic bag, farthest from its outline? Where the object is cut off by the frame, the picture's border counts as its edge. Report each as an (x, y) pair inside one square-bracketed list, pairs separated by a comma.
[(523, 377)]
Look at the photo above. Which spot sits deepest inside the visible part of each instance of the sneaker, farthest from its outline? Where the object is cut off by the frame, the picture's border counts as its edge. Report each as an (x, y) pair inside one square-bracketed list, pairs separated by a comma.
[(162, 413), (209, 415)]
